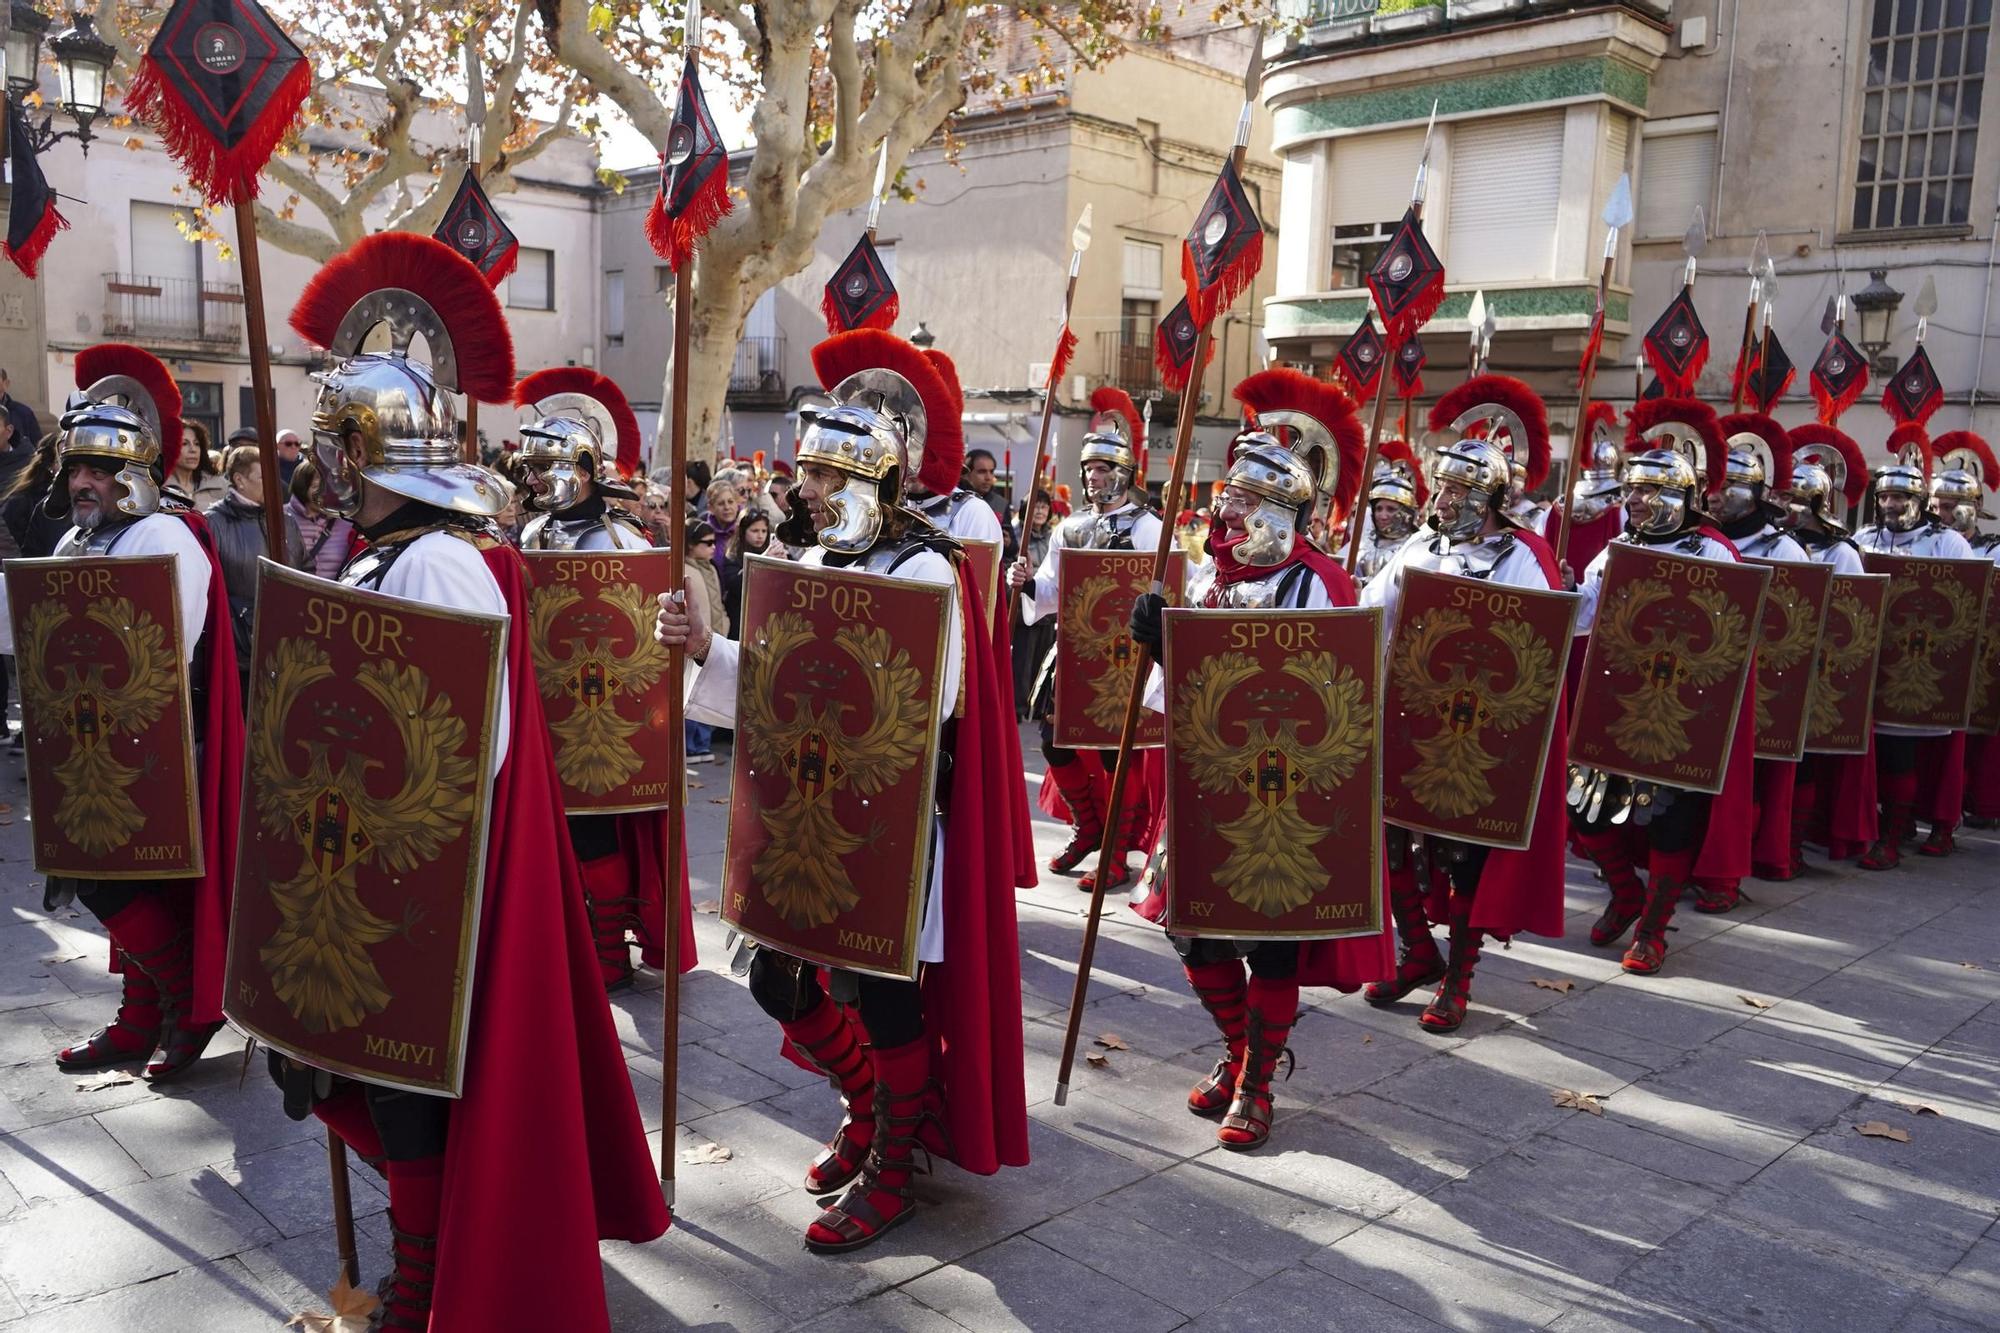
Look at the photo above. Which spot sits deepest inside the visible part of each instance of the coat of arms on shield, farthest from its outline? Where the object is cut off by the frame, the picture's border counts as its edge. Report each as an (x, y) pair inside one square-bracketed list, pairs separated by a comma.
[(1475, 682), (603, 677), (1274, 764), (1930, 639), (1986, 686), (1787, 651), (362, 852), (1841, 715), (840, 697), (107, 716), (1095, 656), (1670, 654)]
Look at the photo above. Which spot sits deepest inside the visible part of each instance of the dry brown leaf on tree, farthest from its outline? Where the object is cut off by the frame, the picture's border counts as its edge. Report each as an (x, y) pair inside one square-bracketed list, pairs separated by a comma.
[(1579, 1101), (705, 1154), (1563, 985), (1876, 1129), (1111, 1041), (352, 1308), (1756, 1003)]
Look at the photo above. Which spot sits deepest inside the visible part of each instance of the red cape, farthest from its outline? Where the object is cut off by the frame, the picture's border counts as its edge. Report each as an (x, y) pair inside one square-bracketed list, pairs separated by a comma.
[(642, 845), (1587, 540), (1941, 778), (1847, 792), (205, 901), (1732, 814), (546, 1152), (1982, 776), (1775, 782), (1524, 890), (1001, 643)]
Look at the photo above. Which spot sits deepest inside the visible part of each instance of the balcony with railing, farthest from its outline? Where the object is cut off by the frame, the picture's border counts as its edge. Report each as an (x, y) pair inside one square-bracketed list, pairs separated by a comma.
[(1324, 23), (1125, 361), (757, 375), (190, 311)]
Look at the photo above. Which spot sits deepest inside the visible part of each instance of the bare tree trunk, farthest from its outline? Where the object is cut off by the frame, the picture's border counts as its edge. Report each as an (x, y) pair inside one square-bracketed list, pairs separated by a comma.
[(720, 303)]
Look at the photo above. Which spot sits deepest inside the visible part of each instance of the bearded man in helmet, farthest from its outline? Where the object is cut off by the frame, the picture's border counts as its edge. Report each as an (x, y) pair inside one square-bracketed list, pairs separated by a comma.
[(1695, 833), (1911, 759), (930, 1066), (1472, 531), (544, 1153), (1109, 521), (167, 935)]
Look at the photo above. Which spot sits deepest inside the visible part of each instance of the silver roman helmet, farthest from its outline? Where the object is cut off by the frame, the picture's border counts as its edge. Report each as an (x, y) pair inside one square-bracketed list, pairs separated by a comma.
[(1900, 488), (1595, 452), (126, 410), (1493, 421), (1757, 464), (1966, 467), (1828, 474), (1113, 437), (583, 423), (1672, 442), (1307, 442), (1276, 482), (396, 286)]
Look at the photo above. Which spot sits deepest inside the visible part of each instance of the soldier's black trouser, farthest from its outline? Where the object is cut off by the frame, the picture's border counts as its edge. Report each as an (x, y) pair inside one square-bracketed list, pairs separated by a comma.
[(787, 988), (593, 836), (1273, 960), (413, 1125)]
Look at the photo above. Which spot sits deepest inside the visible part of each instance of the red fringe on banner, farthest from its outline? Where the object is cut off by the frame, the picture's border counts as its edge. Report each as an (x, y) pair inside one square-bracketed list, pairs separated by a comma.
[(1065, 349), (884, 318), (29, 256), (1205, 303), (221, 174), (673, 239), (1925, 410), (1418, 313), (1173, 376), (1830, 407), (508, 262)]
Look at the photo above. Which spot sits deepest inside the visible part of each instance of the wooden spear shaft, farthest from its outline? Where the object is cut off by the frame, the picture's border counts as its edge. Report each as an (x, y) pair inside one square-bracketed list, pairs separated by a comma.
[(1741, 379), (1135, 699), (1368, 467), (343, 1208), (1579, 443), (677, 789), (266, 405), (471, 446), (1041, 448)]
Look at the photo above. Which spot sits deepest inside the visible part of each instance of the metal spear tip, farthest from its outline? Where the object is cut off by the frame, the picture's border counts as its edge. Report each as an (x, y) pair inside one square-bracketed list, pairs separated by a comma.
[(1618, 208), (475, 83), (1475, 316), (1696, 239), (1927, 302), (1079, 237), (1830, 316), (1760, 255), (694, 24)]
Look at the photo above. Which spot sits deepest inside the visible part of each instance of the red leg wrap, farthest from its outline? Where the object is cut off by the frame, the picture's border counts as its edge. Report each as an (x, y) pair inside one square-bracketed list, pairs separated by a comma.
[(416, 1196), (1274, 1007), (149, 934), (1418, 961), (131, 1036), (1670, 878), (905, 1117), (1222, 991), (1081, 784), (1628, 891), (825, 1038), (1447, 1009)]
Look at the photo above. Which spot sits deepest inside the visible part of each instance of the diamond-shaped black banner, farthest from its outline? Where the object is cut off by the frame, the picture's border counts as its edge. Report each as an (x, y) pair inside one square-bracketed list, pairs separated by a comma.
[(860, 291), (474, 228), (1838, 377), (1173, 352), (1409, 366), (1361, 357), (694, 176), (1772, 374), (1407, 279), (1223, 248), (1677, 344), (222, 82), (1914, 392)]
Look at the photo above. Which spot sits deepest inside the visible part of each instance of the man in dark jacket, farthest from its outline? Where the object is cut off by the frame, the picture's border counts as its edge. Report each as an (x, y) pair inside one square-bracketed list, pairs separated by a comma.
[(27, 424), (237, 521)]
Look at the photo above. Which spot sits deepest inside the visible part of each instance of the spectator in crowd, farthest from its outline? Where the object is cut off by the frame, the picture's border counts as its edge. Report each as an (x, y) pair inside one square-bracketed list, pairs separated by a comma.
[(26, 422), (33, 531), (1031, 642), (981, 473), (288, 454), (751, 537), (694, 487), (655, 514), (194, 475), (237, 523), (706, 584), (326, 538), (725, 504), (776, 499)]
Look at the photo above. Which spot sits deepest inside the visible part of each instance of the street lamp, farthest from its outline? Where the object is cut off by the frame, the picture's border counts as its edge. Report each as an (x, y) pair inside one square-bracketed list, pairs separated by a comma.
[(83, 64), (923, 338), (24, 48), (1875, 305)]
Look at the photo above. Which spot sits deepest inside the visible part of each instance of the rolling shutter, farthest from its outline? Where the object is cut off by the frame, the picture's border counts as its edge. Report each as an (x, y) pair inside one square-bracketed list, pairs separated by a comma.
[(1506, 176)]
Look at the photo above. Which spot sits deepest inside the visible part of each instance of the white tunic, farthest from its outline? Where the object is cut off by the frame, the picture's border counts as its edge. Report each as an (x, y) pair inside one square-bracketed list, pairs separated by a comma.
[(159, 534), (711, 698), (1306, 593), (971, 518), (1145, 535), (1696, 544), (1925, 541), (1767, 543), (1841, 555), (1517, 566)]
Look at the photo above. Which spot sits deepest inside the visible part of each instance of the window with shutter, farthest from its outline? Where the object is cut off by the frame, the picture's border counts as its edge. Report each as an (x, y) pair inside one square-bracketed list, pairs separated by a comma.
[(1143, 260), (1506, 178), (1371, 179), (1676, 175)]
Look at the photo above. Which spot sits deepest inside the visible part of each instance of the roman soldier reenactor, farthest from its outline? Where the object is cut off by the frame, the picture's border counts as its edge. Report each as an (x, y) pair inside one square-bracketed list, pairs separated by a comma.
[(1396, 495), (1696, 833), (167, 935), (1110, 521), (932, 1065), (1526, 513), (1307, 441), (1757, 470), (1473, 531), (1834, 794), (1967, 470), (544, 1154), (1596, 520), (1899, 496), (572, 462)]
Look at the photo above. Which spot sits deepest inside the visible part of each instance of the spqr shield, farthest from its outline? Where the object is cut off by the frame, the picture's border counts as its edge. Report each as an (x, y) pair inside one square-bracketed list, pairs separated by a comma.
[(105, 709), (1475, 679), (1841, 717), (1787, 651), (840, 697), (1930, 639), (1669, 657), (603, 677), (1274, 763), (1986, 686), (1095, 656), (984, 560), (362, 852)]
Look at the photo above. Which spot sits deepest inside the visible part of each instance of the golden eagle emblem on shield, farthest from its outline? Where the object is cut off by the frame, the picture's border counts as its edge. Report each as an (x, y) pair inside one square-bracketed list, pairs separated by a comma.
[(1271, 868), (65, 691), (1789, 646), (860, 724), (1853, 652), (1109, 642), (1450, 777), (1652, 723), (1912, 684), (594, 750), (318, 784)]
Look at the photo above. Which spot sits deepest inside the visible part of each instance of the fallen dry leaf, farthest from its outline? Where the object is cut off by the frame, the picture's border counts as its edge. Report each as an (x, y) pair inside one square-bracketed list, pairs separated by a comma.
[(1096, 1060), (109, 1079), (1579, 1101), (718, 800), (1366, 1040), (705, 1154), (62, 958), (1970, 967), (1756, 1003), (1551, 983), (1111, 1041), (1875, 1129), (1920, 1108), (352, 1308), (708, 907)]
